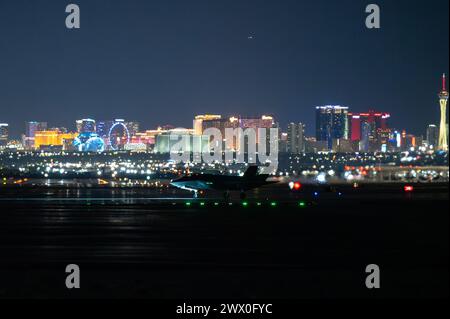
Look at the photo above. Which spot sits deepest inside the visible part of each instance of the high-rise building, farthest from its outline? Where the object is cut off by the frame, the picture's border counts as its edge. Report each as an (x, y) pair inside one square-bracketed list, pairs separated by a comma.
[(265, 122), (331, 123), (407, 141), (377, 121), (364, 143), (133, 127), (86, 126), (219, 123), (30, 129), (432, 135), (222, 124), (443, 98), (4, 134), (355, 127), (283, 143), (410, 141), (103, 127), (167, 140), (383, 138), (78, 125), (198, 122), (396, 140), (376, 131), (296, 138)]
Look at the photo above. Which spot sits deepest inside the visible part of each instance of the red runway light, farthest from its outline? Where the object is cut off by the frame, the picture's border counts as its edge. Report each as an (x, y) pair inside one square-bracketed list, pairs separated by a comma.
[(297, 186), (409, 188)]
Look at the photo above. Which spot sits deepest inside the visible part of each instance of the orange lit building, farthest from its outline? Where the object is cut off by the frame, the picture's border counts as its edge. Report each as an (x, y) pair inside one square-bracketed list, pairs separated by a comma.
[(51, 138)]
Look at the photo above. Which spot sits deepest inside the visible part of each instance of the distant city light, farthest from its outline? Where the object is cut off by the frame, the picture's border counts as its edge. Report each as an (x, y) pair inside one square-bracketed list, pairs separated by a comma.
[(321, 178)]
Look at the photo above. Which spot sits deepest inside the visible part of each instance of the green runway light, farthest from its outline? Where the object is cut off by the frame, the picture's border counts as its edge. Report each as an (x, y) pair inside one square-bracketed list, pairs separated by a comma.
[(258, 204), (216, 204), (202, 204), (273, 204), (302, 204), (245, 204), (188, 204)]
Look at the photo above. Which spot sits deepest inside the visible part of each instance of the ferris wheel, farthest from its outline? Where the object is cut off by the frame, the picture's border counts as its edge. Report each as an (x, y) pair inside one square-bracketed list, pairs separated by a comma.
[(118, 136)]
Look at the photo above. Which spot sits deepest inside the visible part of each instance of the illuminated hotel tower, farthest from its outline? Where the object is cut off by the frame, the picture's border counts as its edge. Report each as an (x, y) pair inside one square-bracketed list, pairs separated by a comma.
[(443, 98)]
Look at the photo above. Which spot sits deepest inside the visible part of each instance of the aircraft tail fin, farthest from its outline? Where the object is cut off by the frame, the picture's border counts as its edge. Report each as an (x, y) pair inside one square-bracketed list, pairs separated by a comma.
[(252, 171)]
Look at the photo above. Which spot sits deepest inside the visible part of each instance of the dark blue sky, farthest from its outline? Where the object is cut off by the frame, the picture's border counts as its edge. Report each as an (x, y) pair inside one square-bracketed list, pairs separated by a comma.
[(163, 61)]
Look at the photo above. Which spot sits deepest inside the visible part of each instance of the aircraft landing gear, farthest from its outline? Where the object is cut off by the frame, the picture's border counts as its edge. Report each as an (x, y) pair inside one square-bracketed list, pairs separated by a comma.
[(195, 194)]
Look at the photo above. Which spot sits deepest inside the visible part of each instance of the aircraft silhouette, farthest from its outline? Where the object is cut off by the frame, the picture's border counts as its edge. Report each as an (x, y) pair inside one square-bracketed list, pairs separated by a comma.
[(203, 182)]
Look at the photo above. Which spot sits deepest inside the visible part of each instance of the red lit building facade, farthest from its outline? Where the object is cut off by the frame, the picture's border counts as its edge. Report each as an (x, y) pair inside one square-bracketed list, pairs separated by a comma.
[(377, 121), (370, 129)]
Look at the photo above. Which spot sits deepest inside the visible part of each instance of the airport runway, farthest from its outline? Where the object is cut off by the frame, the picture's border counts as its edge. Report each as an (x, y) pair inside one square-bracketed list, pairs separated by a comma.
[(144, 244)]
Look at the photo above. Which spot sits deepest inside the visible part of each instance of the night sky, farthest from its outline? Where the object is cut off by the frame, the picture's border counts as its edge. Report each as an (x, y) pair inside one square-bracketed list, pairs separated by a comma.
[(163, 61)]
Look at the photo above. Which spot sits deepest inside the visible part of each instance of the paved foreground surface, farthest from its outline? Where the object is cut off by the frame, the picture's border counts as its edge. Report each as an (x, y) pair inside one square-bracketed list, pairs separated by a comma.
[(128, 245)]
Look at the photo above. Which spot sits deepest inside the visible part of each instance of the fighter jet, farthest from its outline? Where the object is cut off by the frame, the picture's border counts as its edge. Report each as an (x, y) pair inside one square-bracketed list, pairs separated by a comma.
[(204, 182)]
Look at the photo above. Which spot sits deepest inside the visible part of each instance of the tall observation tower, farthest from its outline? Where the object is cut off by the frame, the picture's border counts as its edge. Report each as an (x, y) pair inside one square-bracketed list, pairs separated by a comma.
[(443, 98)]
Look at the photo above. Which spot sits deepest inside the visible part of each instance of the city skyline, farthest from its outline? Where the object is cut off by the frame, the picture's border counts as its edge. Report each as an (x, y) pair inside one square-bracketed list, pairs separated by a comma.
[(310, 129), (337, 129), (149, 66)]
